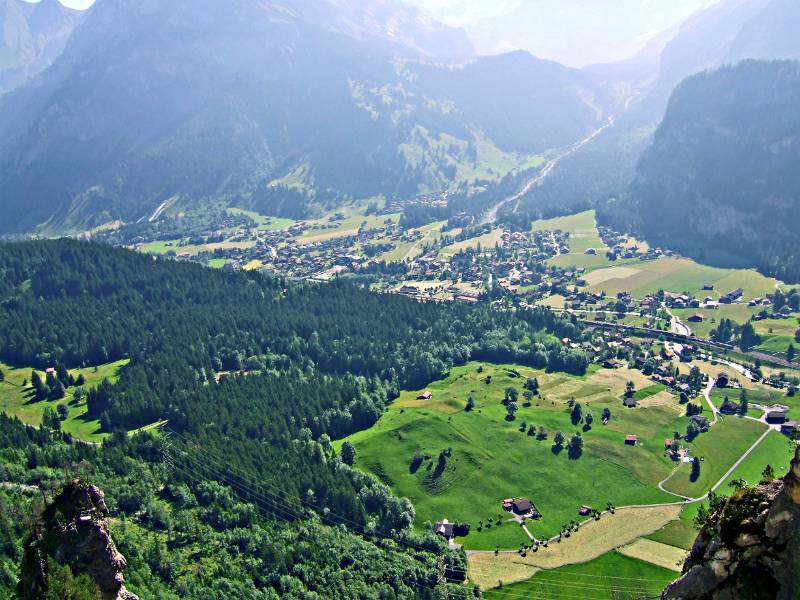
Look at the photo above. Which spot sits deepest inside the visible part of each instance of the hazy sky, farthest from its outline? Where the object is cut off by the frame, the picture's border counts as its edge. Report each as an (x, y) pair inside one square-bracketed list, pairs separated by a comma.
[(79, 4), (575, 32)]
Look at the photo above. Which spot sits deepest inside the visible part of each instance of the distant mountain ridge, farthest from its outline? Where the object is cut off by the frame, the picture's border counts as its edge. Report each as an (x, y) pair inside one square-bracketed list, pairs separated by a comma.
[(32, 36), (205, 101)]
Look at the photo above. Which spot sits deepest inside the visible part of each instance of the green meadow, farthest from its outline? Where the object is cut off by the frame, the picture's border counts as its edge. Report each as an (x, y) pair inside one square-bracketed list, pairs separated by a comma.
[(16, 399), (491, 459), (612, 575)]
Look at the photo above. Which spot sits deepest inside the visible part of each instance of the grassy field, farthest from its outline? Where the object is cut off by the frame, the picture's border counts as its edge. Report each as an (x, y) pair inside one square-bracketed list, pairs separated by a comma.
[(491, 459), (662, 555), (718, 448), (777, 334), (485, 241), (349, 225), (265, 223), (16, 399), (612, 575), (677, 533), (738, 313), (592, 541), (162, 247), (582, 228), (430, 233)]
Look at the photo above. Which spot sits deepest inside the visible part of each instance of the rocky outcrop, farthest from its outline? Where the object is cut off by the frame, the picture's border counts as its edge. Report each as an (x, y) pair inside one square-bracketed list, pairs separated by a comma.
[(73, 530), (750, 548)]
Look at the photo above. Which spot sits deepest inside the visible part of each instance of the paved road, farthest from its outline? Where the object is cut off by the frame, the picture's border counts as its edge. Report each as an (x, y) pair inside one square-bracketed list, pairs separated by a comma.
[(490, 216)]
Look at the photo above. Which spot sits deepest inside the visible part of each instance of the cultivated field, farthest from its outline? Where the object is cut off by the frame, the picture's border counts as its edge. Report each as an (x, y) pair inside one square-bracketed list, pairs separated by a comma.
[(612, 575), (593, 540)]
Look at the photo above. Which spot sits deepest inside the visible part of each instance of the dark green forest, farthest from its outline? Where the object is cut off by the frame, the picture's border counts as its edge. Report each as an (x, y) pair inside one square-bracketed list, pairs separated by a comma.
[(253, 368)]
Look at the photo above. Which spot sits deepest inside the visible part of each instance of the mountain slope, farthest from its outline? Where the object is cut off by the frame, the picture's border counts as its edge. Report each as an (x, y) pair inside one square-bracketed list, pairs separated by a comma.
[(32, 36), (720, 182), (603, 170), (153, 101)]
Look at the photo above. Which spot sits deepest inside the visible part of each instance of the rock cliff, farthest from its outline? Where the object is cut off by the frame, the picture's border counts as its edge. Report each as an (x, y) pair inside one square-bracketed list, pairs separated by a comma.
[(73, 530), (750, 547)]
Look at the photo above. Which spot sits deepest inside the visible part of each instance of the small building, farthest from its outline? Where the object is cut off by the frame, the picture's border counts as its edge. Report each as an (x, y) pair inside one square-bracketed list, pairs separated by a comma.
[(791, 428), (631, 440), (729, 407), (522, 506), (444, 528), (777, 416), (629, 402), (696, 318), (610, 363), (426, 395), (668, 443), (585, 511)]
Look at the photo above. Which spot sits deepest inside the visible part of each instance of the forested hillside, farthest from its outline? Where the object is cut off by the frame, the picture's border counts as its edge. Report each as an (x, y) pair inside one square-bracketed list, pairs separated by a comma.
[(720, 182), (245, 363), (271, 106), (187, 531)]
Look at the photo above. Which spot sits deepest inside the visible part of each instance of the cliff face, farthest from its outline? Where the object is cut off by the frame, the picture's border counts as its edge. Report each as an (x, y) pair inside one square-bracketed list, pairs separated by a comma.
[(73, 530), (750, 548)]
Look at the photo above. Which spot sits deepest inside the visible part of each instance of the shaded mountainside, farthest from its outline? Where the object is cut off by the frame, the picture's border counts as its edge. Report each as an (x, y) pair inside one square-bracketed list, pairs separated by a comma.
[(73, 530), (720, 182), (247, 102), (32, 36), (726, 32), (749, 548)]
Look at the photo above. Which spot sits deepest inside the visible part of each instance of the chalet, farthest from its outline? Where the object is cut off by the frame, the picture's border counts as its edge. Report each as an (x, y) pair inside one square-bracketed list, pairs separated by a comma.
[(729, 407), (732, 297), (791, 428), (701, 422), (696, 318), (777, 416), (585, 511), (629, 402), (444, 528), (631, 440), (426, 395), (708, 287), (723, 380), (668, 443), (525, 508), (610, 363)]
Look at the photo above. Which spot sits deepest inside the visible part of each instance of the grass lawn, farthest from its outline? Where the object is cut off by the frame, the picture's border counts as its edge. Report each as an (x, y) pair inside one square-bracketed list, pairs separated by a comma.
[(612, 575), (218, 263), (265, 223), (485, 241), (777, 334), (738, 313), (678, 533), (719, 448), (160, 246), (16, 399), (490, 459), (347, 226)]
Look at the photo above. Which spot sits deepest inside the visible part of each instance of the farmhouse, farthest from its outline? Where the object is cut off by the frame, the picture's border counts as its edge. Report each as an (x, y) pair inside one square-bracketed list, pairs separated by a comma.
[(729, 407), (631, 440), (444, 528), (696, 318), (610, 363), (732, 297), (791, 428), (777, 416), (521, 507), (426, 395)]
